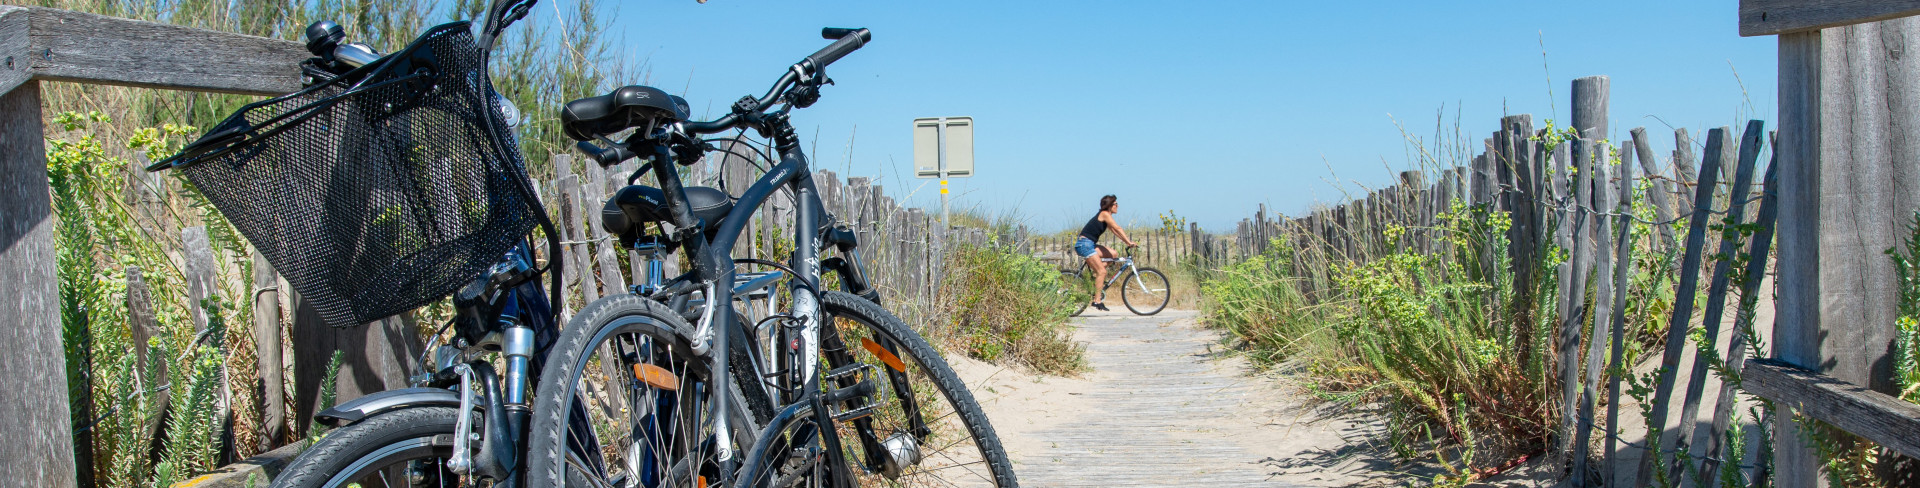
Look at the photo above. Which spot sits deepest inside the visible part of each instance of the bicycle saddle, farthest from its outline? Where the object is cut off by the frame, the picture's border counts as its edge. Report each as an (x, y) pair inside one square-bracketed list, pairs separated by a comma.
[(637, 205), (628, 106)]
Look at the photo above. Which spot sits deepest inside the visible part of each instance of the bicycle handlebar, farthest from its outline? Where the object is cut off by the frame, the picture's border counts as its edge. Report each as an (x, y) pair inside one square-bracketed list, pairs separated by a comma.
[(845, 42), (808, 69)]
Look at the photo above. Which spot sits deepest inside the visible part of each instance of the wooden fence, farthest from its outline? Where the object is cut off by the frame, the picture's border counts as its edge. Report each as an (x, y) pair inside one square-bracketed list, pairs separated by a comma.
[(1577, 198)]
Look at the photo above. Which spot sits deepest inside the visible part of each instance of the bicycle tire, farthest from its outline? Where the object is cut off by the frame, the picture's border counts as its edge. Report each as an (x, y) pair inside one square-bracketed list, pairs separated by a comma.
[(1149, 278), (603, 320), (934, 369), (1077, 299), (384, 440)]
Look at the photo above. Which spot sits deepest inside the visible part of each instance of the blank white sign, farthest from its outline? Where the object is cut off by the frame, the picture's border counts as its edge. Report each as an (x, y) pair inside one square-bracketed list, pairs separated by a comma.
[(926, 148)]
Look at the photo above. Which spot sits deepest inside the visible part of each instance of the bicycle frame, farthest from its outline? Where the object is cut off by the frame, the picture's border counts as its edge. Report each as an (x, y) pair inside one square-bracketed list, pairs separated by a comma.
[(1127, 268), (714, 264)]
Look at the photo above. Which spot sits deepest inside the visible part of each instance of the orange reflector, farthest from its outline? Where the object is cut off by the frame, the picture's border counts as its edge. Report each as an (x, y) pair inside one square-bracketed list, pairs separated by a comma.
[(656, 376), (701, 482), (885, 357)]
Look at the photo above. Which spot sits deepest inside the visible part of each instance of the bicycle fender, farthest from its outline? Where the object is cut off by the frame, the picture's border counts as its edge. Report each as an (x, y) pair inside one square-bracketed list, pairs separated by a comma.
[(367, 406)]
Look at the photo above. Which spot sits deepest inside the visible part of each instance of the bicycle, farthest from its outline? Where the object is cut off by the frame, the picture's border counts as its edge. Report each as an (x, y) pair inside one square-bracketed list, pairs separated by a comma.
[(1148, 286), (389, 182), (832, 390)]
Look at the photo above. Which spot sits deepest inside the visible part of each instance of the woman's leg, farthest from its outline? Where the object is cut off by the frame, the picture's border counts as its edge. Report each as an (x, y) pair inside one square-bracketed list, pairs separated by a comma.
[(1100, 253), (1099, 275)]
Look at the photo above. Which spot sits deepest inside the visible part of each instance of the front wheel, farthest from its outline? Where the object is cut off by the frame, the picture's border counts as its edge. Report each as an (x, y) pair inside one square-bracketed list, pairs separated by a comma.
[(1147, 292), (409, 447), (915, 424), (625, 391)]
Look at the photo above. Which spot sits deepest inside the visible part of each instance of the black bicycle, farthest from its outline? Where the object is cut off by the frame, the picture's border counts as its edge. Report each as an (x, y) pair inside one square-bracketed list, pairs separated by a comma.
[(828, 389), (388, 183)]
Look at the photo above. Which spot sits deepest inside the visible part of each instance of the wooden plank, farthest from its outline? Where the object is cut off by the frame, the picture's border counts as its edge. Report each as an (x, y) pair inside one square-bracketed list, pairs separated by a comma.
[(263, 467), (1658, 190), (1876, 416), (1603, 302), (270, 368), (1683, 171), (1754, 273), (197, 255), (1623, 279), (40, 433), (605, 248), (1682, 316), (578, 254), (1796, 328), (1749, 153), (1769, 17), (87, 48), (14, 42), (1573, 307)]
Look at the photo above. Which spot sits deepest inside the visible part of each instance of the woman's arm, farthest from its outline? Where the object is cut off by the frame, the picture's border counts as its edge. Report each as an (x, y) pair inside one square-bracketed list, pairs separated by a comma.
[(1115, 225)]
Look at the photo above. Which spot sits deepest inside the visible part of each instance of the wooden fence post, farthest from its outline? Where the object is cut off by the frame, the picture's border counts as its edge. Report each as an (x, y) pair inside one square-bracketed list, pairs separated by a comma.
[(41, 434), (1848, 190), (1683, 173), (266, 335), (1573, 307), (1682, 315), (1602, 227), (1658, 189), (604, 247), (1749, 153), (1750, 278), (1623, 275)]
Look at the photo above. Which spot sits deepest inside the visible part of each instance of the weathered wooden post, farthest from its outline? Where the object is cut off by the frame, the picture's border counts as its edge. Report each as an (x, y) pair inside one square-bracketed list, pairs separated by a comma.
[(266, 334), (1847, 188), (41, 448)]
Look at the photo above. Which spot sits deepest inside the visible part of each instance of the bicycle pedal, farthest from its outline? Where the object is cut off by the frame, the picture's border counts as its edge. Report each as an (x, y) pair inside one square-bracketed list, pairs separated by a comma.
[(855, 414), (862, 389), (849, 371)]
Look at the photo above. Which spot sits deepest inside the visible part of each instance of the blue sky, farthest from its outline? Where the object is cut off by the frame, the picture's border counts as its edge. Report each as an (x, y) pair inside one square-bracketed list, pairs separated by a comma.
[(1206, 109)]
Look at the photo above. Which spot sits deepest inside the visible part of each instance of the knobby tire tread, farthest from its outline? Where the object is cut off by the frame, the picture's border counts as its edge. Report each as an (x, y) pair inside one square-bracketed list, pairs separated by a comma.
[(839, 303), (343, 446)]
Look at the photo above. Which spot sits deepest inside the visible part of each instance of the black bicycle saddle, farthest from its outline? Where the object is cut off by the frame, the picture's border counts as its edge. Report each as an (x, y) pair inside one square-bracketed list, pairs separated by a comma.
[(629, 106)]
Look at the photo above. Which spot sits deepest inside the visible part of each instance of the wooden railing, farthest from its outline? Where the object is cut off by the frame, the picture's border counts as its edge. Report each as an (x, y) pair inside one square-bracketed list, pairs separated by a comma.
[(38, 44)]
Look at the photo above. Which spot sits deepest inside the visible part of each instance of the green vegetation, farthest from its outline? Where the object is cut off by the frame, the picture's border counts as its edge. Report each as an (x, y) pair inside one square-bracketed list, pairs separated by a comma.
[(1007, 307), (1459, 360)]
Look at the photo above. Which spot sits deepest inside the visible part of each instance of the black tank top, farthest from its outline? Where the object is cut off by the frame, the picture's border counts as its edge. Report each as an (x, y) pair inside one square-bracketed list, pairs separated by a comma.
[(1093, 229)]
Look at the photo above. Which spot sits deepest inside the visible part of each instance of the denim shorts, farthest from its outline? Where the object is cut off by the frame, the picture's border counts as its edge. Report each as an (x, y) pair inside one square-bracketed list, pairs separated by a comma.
[(1084, 247)]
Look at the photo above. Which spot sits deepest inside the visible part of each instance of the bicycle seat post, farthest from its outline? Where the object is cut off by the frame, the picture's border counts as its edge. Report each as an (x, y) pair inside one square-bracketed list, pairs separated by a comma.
[(655, 274)]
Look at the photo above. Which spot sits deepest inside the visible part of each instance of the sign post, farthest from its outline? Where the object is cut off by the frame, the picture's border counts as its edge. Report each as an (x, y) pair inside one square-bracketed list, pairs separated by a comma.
[(943, 148)]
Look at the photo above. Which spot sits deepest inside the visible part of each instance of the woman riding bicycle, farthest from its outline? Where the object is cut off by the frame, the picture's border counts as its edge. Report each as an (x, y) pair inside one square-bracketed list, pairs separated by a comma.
[(1090, 249)]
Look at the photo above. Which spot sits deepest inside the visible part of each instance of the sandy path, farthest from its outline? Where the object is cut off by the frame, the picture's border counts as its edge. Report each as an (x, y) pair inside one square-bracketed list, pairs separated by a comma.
[(1164, 405)]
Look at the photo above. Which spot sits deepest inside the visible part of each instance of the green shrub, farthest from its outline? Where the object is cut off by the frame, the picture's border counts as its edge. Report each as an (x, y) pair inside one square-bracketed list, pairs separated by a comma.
[(1007, 306)]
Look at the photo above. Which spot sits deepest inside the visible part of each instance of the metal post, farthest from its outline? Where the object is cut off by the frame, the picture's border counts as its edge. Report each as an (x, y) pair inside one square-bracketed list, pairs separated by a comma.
[(945, 217)]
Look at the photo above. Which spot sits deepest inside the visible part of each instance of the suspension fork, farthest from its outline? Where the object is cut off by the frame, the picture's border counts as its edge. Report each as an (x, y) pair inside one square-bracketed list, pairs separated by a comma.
[(707, 267)]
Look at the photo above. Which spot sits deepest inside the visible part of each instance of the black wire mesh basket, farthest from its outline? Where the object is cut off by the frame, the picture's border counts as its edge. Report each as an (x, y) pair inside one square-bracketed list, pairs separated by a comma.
[(379, 191)]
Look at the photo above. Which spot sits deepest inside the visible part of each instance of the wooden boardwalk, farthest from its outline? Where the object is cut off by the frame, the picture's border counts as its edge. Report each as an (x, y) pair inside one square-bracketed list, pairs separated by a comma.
[(1162, 407)]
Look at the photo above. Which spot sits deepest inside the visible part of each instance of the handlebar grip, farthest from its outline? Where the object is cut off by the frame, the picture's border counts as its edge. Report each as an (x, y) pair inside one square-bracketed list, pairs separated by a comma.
[(849, 40), (604, 156)]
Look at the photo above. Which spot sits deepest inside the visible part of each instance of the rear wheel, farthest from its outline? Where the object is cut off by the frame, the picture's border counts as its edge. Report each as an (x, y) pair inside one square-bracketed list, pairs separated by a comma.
[(1076, 291), (1146, 293)]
